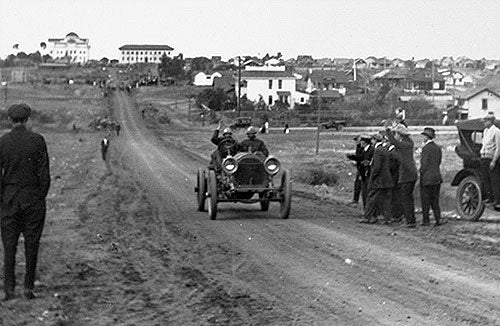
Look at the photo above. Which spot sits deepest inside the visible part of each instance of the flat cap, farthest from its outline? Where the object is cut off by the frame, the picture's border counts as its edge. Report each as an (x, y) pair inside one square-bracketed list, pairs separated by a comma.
[(365, 137), (490, 116), (19, 111), (378, 136)]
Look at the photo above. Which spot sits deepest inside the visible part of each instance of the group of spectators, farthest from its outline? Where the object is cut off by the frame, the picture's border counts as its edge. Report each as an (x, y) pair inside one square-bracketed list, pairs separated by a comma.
[(387, 174)]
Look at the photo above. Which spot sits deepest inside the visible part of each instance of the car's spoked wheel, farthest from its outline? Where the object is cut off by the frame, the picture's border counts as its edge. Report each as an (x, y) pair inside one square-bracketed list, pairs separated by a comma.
[(201, 188), (212, 195), (469, 202), (285, 194)]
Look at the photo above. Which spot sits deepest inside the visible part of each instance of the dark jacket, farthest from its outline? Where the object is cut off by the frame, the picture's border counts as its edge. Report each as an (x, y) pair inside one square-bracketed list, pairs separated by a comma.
[(24, 164), (430, 161), (393, 162), (254, 145), (225, 148), (380, 175), (365, 160), (404, 151), (357, 156)]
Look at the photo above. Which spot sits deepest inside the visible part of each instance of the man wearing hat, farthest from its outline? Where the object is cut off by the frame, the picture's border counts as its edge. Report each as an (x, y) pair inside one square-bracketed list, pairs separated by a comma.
[(379, 185), (490, 165), (25, 182), (226, 145), (357, 179), (252, 144), (430, 177), (363, 158), (407, 176)]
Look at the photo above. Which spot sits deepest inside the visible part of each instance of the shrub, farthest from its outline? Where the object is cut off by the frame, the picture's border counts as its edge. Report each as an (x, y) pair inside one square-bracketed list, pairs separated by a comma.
[(318, 175)]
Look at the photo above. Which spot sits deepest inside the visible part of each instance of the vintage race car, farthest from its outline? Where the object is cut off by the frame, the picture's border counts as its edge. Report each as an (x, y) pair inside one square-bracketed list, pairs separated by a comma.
[(245, 178)]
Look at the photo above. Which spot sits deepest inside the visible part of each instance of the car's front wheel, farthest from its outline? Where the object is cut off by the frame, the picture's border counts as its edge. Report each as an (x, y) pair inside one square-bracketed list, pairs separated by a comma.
[(285, 195), (468, 201), (212, 195), (201, 189)]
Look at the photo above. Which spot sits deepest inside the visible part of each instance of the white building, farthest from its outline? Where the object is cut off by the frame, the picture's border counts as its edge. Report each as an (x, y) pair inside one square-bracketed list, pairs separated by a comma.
[(481, 102), (71, 47), (269, 84), (202, 79), (147, 53)]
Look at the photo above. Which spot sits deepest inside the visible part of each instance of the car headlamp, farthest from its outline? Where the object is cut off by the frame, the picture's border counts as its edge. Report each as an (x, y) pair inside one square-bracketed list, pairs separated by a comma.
[(229, 165), (272, 165)]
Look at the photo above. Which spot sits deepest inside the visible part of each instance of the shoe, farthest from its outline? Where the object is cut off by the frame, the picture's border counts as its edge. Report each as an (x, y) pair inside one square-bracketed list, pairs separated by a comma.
[(411, 225), (496, 207), (9, 295), (425, 224), (29, 295), (387, 222), (368, 221)]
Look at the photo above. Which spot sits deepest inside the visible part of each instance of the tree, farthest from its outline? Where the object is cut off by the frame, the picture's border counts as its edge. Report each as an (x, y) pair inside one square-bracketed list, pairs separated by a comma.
[(173, 68), (216, 99), (201, 64)]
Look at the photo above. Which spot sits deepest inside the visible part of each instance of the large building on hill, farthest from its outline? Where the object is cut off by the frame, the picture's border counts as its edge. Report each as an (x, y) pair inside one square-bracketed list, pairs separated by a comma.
[(146, 53), (72, 48)]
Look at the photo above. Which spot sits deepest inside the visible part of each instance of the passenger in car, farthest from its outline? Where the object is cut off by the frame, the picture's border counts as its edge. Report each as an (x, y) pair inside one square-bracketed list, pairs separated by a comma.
[(252, 144), (226, 145)]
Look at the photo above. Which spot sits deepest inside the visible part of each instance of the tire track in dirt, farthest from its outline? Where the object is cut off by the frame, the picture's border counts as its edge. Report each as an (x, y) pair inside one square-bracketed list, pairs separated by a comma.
[(288, 261)]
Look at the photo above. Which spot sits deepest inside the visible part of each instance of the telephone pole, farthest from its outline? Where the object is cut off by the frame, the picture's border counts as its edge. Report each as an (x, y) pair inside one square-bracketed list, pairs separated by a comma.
[(239, 86)]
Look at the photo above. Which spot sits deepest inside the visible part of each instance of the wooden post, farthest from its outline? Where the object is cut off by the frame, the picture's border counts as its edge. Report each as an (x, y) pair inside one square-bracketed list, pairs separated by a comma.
[(189, 109)]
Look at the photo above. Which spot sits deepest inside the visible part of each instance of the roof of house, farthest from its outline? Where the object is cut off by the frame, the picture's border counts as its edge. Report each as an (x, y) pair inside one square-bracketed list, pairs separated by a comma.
[(323, 76), (265, 74), (145, 47), (481, 90)]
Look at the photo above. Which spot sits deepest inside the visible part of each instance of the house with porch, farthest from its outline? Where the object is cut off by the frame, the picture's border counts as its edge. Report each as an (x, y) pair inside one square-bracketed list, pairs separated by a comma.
[(271, 84), (327, 80)]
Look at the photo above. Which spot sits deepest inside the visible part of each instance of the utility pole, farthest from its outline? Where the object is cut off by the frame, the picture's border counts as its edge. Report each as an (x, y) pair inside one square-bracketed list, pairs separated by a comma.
[(319, 115), (239, 86), (432, 87)]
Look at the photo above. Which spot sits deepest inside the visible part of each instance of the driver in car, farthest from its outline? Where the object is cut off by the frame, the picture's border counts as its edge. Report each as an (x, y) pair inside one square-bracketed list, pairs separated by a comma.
[(226, 145), (252, 144)]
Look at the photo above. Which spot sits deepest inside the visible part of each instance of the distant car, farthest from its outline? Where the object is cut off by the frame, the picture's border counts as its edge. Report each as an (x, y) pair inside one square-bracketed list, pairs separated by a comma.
[(246, 178), (242, 122), (469, 199), (334, 124)]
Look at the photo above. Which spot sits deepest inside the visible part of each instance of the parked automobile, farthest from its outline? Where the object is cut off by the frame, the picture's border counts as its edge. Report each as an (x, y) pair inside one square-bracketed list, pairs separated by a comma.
[(469, 199), (242, 122), (245, 178)]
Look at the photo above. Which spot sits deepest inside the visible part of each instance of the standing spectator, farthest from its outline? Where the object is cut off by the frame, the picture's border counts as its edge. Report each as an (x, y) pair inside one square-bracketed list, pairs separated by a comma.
[(287, 129), (397, 209), (490, 165), (25, 182), (407, 177), (104, 148), (266, 126), (118, 128), (365, 159), (357, 179), (430, 177), (379, 185)]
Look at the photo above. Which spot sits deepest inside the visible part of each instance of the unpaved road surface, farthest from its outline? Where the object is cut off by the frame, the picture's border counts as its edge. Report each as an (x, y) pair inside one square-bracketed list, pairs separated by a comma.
[(318, 267)]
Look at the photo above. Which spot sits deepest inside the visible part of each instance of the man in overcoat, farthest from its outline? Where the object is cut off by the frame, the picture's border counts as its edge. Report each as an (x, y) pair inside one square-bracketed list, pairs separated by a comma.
[(25, 182), (379, 185), (400, 138), (430, 177)]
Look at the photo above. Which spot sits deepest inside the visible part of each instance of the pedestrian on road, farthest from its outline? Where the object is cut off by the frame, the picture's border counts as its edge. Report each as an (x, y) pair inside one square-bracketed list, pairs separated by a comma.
[(400, 138), (104, 148), (118, 128), (430, 177), (286, 130), (490, 165), (379, 185), (25, 182)]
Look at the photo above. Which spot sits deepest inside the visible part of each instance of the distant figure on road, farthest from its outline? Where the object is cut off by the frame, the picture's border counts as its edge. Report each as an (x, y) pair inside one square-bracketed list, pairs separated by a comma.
[(118, 128), (104, 148), (25, 182), (287, 129)]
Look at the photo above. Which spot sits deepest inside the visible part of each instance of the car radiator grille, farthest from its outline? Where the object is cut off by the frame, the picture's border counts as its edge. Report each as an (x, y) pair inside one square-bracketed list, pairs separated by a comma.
[(250, 172)]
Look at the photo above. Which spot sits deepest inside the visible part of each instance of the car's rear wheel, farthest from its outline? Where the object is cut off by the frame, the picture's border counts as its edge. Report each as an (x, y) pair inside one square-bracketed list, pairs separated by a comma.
[(468, 201), (201, 188), (285, 194), (212, 195)]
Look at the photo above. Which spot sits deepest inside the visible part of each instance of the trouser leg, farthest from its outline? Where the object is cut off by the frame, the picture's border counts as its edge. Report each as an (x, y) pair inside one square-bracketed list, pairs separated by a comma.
[(372, 205), (434, 201), (34, 221), (495, 183), (408, 201), (387, 203), (364, 192), (486, 178), (397, 208), (357, 187), (425, 196), (10, 231)]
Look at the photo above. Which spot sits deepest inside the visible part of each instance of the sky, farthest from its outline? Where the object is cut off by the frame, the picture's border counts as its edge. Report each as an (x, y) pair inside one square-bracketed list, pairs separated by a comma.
[(322, 28)]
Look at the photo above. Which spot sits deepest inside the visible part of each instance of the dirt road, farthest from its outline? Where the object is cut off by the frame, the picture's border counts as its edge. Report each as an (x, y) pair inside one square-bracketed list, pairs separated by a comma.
[(318, 267)]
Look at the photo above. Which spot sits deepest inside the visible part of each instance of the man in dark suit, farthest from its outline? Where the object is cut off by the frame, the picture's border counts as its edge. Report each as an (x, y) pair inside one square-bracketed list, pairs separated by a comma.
[(363, 158), (252, 143), (430, 177), (400, 138), (25, 182), (357, 180), (379, 185)]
